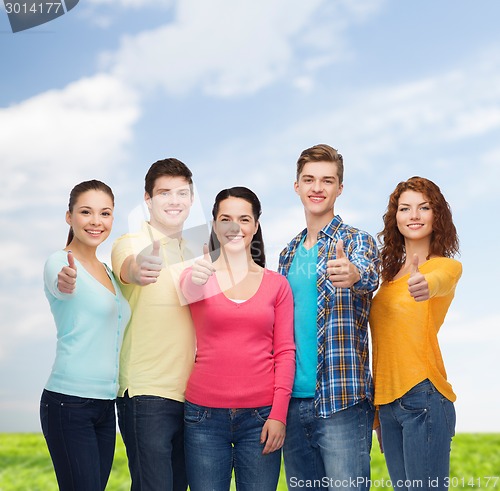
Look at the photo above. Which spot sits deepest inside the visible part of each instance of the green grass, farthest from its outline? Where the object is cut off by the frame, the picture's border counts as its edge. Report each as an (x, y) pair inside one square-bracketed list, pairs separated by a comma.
[(25, 464)]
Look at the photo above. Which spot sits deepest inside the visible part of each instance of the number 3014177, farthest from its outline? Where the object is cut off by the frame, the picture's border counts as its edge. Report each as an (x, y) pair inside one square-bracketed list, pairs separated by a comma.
[(33, 8)]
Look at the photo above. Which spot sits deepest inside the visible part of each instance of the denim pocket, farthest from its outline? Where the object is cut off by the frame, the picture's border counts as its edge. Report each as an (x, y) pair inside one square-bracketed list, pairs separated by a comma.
[(450, 415), (74, 402), (44, 418), (65, 400), (415, 402), (262, 413), (194, 414)]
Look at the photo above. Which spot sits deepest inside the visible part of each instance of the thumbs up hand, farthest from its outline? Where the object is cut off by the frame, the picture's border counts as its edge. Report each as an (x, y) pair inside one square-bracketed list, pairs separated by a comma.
[(147, 266), (66, 278), (202, 268), (339, 249), (417, 284), (340, 271)]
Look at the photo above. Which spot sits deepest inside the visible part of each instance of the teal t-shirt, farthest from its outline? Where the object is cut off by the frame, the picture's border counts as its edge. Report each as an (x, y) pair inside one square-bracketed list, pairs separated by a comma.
[(302, 278)]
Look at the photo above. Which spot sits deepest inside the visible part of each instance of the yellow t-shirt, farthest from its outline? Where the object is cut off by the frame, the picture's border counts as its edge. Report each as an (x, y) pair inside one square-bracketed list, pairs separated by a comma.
[(404, 332), (158, 348)]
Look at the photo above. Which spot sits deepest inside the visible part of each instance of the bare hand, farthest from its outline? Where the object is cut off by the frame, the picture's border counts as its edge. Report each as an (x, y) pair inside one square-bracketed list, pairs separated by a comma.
[(417, 284), (202, 268), (340, 271), (273, 435), (66, 278), (147, 267)]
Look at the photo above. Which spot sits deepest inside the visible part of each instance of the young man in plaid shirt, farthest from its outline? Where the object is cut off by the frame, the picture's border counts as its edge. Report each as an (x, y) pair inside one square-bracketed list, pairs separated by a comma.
[(333, 270)]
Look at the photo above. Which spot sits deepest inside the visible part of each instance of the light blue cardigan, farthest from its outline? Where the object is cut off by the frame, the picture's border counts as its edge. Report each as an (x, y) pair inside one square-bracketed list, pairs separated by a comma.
[(90, 324)]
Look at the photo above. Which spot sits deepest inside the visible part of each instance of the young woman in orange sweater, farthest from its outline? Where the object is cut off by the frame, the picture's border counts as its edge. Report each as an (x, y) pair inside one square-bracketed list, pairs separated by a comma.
[(412, 393)]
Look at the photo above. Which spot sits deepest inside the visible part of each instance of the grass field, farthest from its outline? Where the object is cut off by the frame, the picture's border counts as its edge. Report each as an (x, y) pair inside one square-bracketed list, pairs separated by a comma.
[(25, 464)]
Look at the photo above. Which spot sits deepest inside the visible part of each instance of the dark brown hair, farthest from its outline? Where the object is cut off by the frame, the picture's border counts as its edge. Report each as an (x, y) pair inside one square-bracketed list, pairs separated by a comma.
[(257, 245), (167, 167), (81, 188)]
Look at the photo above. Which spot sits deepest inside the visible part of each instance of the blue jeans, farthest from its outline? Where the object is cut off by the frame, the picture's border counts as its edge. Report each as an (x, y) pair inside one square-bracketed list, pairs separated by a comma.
[(153, 434), (416, 435), (328, 453), (218, 440), (81, 436)]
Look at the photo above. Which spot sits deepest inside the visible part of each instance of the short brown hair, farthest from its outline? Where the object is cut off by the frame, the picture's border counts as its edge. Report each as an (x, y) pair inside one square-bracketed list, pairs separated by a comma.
[(321, 153), (167, 167)]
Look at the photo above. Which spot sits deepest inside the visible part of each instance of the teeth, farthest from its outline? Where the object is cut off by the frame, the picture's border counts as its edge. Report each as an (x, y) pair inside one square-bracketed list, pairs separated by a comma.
[(94, 232), (173, 212)]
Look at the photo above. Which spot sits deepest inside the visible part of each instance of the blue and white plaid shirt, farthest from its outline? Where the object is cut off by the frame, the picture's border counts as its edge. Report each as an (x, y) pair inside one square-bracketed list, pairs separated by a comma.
[(343, 375)]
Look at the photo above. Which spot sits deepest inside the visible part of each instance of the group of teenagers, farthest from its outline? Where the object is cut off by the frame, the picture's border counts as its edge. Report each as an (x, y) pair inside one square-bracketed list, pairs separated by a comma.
[(223, 365)]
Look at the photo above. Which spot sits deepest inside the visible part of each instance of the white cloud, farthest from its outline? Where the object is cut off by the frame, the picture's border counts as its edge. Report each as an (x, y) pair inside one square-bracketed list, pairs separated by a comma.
[(279, 226), (304, 83), (49, 143), (105, 14), (430, 123), (235, 48), (55, 138), (460, 328)]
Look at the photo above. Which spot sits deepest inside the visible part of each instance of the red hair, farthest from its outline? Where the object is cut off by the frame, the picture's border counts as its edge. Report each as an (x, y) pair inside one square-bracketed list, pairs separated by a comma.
[(444, 238)]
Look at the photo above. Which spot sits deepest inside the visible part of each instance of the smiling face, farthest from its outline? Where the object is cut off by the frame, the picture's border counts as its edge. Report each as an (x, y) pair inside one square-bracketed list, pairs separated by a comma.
[(318, 186), (170, 204), (235, 224), (91, 218), (414, 216)]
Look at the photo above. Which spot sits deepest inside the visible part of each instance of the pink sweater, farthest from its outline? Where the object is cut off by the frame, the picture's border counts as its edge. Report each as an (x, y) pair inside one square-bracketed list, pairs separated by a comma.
[(245, 354)]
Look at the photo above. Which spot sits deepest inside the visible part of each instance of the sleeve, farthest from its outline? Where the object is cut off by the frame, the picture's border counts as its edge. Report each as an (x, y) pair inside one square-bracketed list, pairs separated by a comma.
[(284, 351), (122, 248), (282, 262), (52, 267), (362, 251), (443, 280), (191, 292)]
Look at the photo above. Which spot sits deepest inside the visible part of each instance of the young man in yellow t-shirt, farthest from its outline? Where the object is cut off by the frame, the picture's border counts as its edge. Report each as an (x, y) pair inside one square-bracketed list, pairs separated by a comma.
[(159, 344)]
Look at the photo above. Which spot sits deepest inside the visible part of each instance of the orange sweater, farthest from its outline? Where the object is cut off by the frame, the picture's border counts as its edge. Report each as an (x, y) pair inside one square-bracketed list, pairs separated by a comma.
[(404, 332)]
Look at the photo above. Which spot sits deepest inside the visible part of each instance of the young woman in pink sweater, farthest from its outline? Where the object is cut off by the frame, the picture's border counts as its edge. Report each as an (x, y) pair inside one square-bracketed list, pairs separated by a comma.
[(238, 393), (412, 393)]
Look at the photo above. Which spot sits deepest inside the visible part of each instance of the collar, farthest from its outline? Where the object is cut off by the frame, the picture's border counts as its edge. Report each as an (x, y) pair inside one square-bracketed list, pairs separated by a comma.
[(332, 228), (155, 234)]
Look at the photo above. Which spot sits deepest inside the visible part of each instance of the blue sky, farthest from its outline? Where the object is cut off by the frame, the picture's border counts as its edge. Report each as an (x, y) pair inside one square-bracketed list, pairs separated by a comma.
[(237, 90)]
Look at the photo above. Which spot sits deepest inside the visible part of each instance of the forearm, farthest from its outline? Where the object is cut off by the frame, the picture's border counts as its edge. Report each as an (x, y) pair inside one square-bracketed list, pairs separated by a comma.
[(129, 270), (284, 374), (367, 262)]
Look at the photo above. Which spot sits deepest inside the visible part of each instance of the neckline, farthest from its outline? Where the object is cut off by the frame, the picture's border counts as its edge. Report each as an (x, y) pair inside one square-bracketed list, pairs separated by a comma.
[(108, 272), (302, 244), (239, 302)]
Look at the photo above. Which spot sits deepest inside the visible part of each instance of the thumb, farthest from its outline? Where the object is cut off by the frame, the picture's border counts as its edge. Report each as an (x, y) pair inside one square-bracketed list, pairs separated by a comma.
[(206, 254), (71, 260), (414, 265), (263, 434), (339, 249), (156, 248)]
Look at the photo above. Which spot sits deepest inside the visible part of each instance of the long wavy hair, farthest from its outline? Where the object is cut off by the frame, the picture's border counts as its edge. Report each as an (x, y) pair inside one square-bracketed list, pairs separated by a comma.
[(444, 238), (257, 245)]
